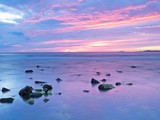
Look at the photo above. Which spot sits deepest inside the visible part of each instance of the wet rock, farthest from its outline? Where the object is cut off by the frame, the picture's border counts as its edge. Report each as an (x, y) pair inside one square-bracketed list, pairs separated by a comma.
[(5, 89), (35, 95), (25, 92), (86, 91), (130, 84), (39, 82), (117, 83), (47, 88), (103, 80), (108, 74), (98, 73), (6, 100), (29, 71), (45, 100), (58, 79), (119, 71), (60, 93), (133, 67), (94, 81), (105, 87), (30, 102)]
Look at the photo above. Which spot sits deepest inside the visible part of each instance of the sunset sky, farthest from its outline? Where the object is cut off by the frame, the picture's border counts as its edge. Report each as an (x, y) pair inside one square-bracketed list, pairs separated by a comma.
[(79, 25)]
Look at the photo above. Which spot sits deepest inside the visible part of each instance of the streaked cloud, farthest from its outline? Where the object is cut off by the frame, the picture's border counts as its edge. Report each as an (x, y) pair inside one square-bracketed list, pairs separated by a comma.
[(9, 14)]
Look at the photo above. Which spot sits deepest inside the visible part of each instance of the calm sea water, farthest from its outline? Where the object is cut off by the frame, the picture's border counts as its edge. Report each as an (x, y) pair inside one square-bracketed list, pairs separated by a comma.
[(141, 101)]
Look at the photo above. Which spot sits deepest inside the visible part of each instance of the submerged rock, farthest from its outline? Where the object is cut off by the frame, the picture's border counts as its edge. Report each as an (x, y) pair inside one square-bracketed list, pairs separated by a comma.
[(29, 71), (6, 100), (5, 89), (47, 87), (45, 100), (105, 87), (117, 83), (30, 102), (25, 92), (58, 79), (108, 74), (86, 91), (35, 95), (40, 82), (94, 81), (103, 80), (38, 90)]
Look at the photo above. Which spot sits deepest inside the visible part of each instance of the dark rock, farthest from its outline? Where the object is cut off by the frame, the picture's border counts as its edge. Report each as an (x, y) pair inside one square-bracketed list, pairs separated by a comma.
[(108, 74), (105, 87), (35, 95), (133, 67), (103, 80), (59, 93), (45, 100), (39, 82), (47, 87), (5, 89), (117, 83), (130, 84), (119, 71), (29, 71), (94, 81), (25, 92), (6, 100), (38, 66), (42, 69), (98, 73), (30, 78), (86, 91), (58, 79)]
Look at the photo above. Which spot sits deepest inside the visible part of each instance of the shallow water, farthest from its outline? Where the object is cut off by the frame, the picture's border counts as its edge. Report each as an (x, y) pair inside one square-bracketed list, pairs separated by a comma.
[(141, 101)]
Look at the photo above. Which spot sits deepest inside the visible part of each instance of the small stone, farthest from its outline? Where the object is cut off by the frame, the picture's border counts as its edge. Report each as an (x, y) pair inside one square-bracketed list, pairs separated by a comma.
[(58, 79), (119, 71), (30, 102), (86, 91), (45, 100), (60, 93), (29, 71), (133, 67), (94, 81), (130, 84), (103, 80), (105, 87), (98, 73), (5, 89), (117, 83), (30, 78), (39, 82), (35, 95), (108, 74), (6, 100), (38, 66)]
